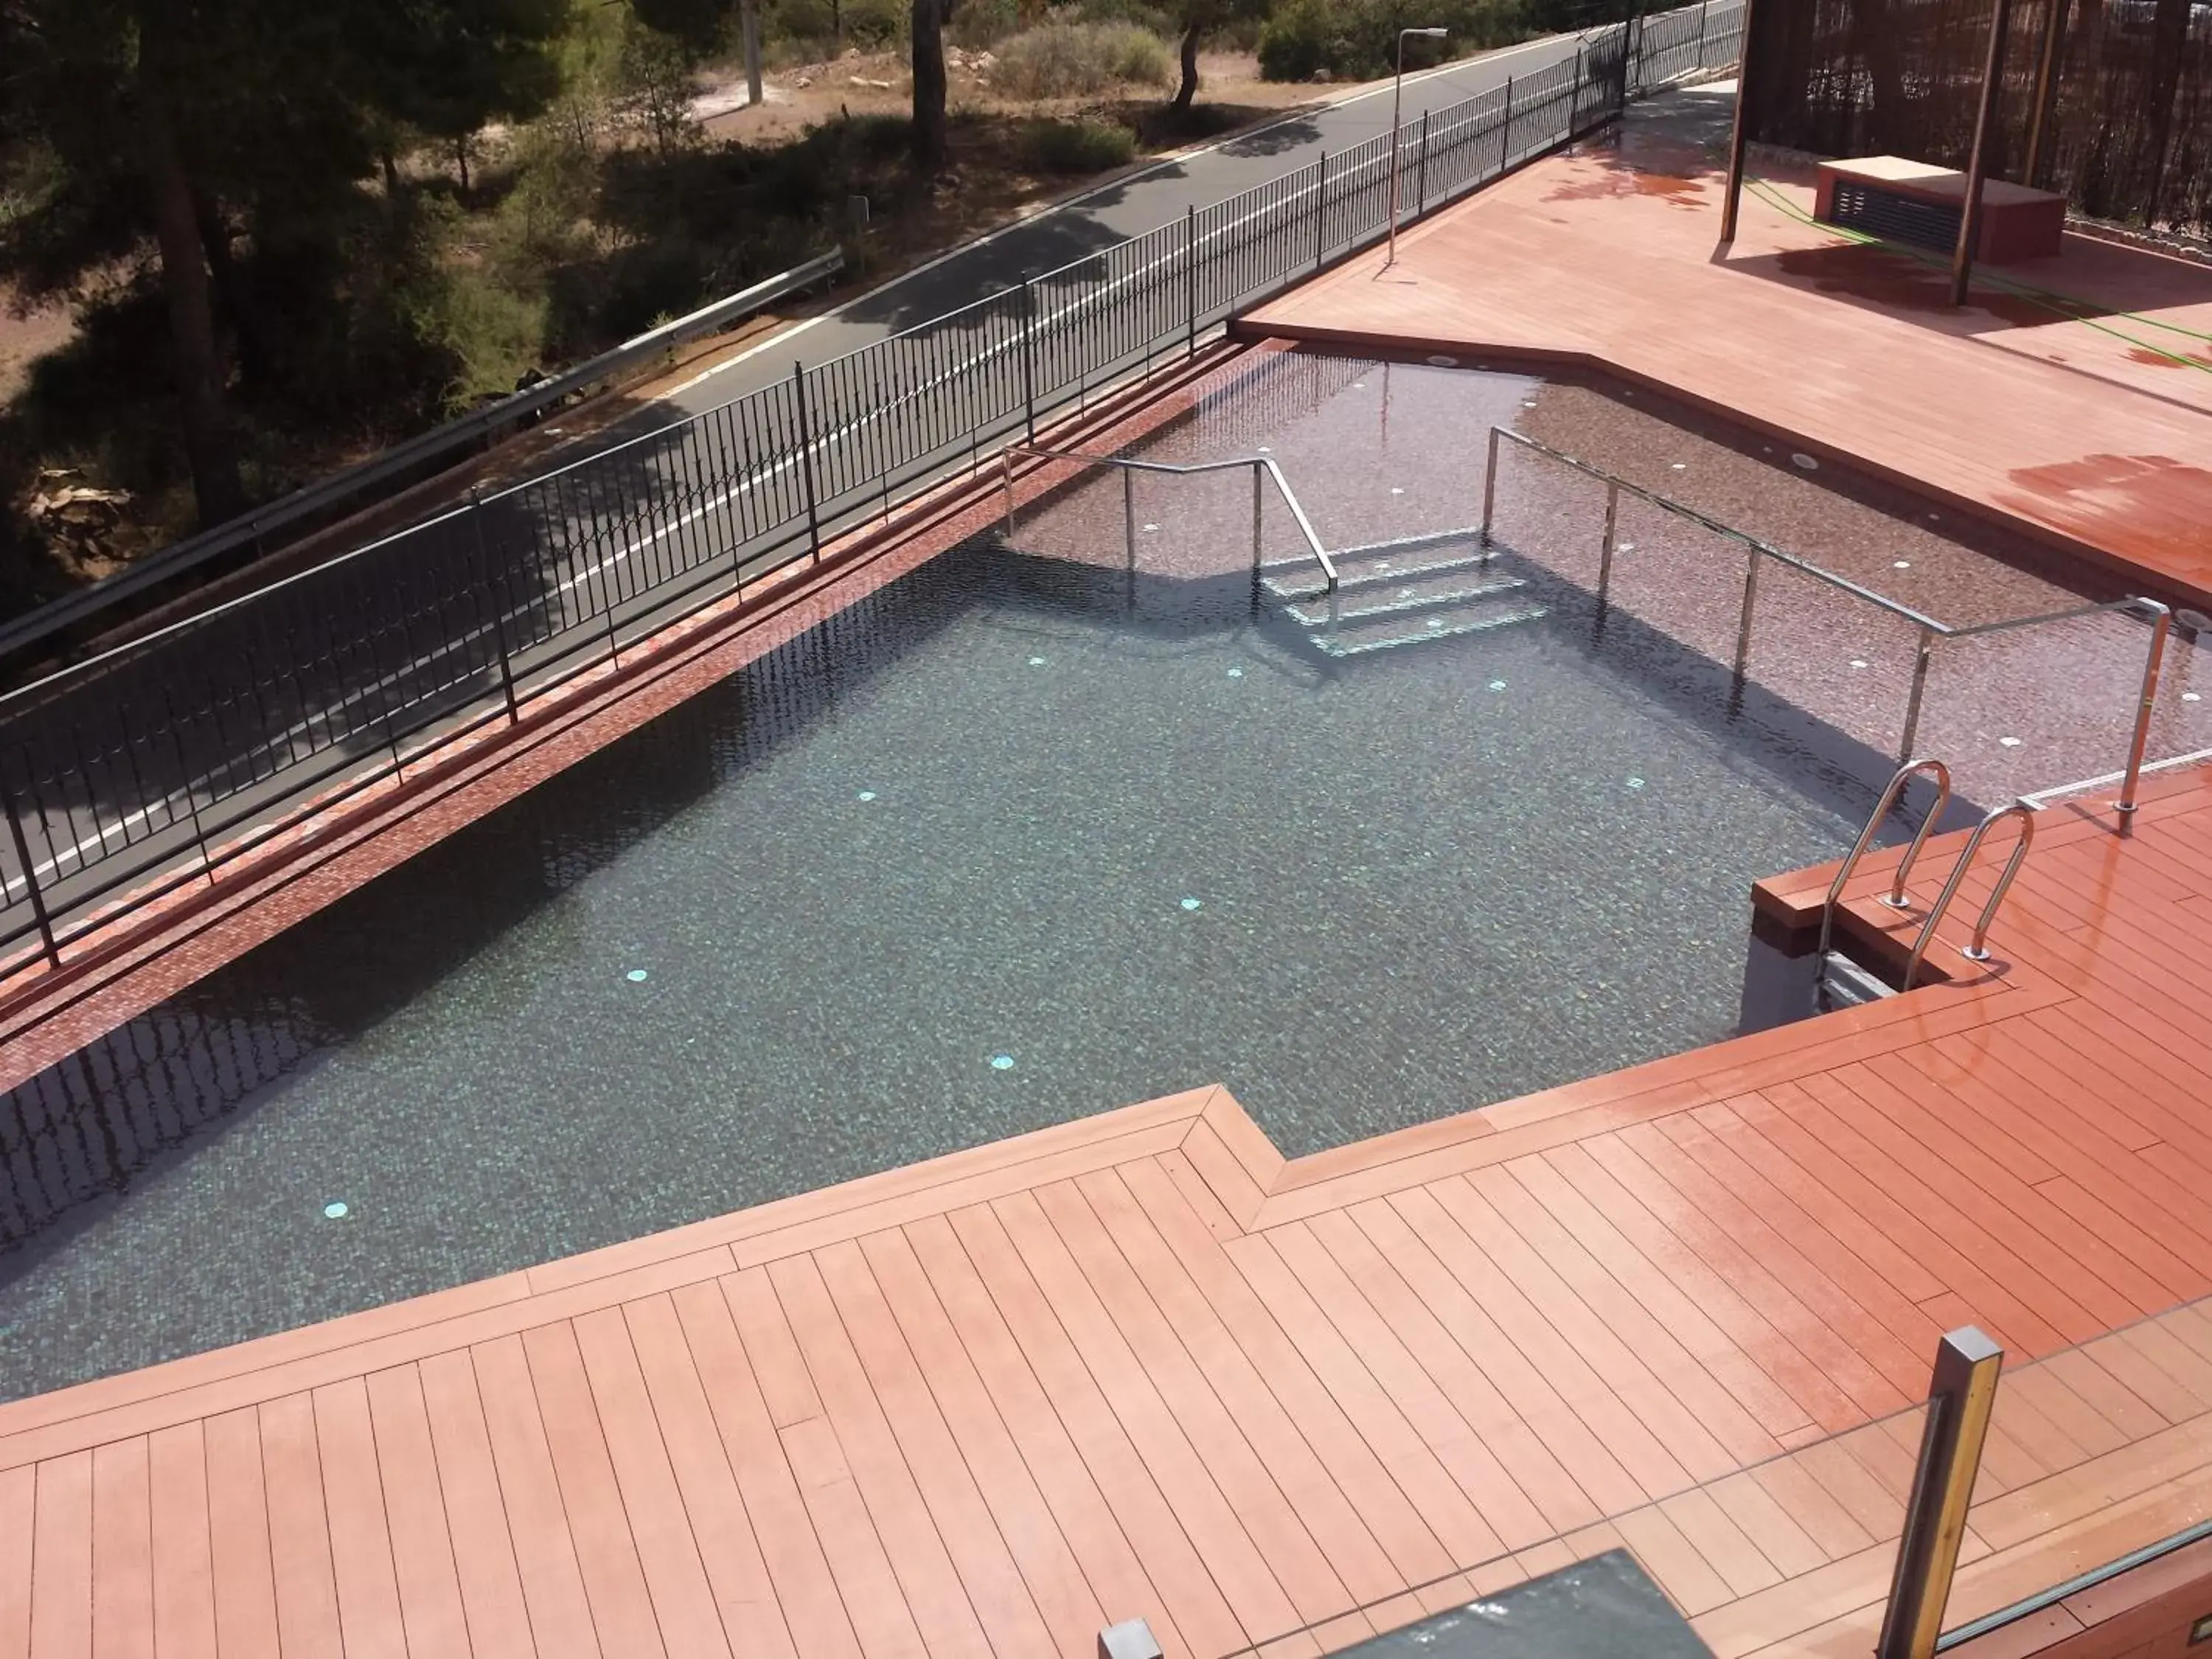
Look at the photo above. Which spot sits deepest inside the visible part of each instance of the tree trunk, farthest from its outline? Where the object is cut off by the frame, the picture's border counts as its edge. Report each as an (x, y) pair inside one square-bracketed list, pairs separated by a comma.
[(255, 358), (1876, 37), (209, 444), (1189, 90), (930, 141), (2169, 29), (461, 155)]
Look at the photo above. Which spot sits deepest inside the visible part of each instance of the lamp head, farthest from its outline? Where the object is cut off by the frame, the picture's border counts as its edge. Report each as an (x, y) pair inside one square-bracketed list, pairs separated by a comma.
[(1429, 34)]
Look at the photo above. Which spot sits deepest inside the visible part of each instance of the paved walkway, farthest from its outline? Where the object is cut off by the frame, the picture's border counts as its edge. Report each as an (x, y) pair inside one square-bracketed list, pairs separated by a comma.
[(1140, 1367), (2094, 433)]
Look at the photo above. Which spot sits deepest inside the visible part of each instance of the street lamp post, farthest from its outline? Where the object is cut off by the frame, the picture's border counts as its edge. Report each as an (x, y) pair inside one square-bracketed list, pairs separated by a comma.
[(1397, 98)]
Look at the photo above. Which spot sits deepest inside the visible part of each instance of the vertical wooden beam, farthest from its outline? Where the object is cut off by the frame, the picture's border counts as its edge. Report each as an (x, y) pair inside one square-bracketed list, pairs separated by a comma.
[(1960, 1393), (1739, 136), (2046, 91), (1970, 213)]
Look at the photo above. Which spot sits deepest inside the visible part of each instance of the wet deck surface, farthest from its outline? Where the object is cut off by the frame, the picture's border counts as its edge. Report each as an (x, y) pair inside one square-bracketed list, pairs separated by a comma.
[(1140, 1366), (2073, 394)]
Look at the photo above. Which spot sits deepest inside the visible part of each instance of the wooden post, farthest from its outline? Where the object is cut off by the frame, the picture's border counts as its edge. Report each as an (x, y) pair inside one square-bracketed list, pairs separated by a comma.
[(2046, 90), (1740, 136), (1970, 214), (1960, 1396), (749, 18)]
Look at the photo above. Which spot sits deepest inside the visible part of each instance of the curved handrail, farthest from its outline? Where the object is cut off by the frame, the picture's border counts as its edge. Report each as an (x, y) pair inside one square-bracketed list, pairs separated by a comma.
[(1978, 950), (1895, 898), (1131, 465)]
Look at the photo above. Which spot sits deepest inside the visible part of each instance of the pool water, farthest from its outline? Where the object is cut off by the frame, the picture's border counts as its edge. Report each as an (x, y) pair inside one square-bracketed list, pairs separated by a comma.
[(1015, 839)]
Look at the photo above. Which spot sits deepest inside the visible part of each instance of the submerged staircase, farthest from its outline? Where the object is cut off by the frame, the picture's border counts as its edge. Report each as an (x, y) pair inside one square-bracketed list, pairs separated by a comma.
[(1398, 592)]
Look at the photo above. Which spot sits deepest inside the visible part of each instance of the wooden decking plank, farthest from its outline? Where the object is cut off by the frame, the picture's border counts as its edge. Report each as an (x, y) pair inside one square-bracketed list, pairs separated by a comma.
[(1949, 1105), (477, 1534), (683, 1601), (1855, 1488), (1729, 1551), (779, 1370), (1042, 1387), (1559, 1499), (1754, 1311), (360, 1531), (590, 1495), (723, 1531), (996, 1588), (122, 1551), (928, 1576), (1219, 1520), (1362, 1565), (239, 1546), (18, 1499), (308, 1616), (1779, 1170), (1673, 1561), (184, 1566), (1047, 1563), (1332, 1423), (547, 1560), (2019, 1305), (1812, 1506), (1548, 1204), (1780, 1536), (1605, 1486), (1701, 1424), (1510, 1519), (1839, 1311), (2080, 1270), (1198, 1194), (61, 1558), (1640, 1453), (833, 1578), (830, 1209)]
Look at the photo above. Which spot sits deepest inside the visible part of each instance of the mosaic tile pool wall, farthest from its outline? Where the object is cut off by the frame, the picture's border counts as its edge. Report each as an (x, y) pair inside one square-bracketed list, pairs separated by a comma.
[(1012, 841)]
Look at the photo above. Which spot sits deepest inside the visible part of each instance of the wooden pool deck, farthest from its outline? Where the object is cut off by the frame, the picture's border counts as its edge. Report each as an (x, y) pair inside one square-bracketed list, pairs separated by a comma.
[(2091, 431), (1140, 1367)]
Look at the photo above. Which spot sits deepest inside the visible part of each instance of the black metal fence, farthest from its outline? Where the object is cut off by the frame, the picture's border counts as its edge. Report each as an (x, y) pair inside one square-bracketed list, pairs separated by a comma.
[(134, 774)]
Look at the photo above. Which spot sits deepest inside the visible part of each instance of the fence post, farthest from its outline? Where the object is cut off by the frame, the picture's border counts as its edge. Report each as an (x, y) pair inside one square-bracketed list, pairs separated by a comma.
[(1959, 1395), (1321, 210), (45, 923), (1702, 6), (1490, 487), (1190, 273), (1421, 203), (1750, 599), (806, 460), (1575, 97), (1922, 656), (2126, 804), (492, 597), (1605, 553), (1029, 353), (1505, 148)]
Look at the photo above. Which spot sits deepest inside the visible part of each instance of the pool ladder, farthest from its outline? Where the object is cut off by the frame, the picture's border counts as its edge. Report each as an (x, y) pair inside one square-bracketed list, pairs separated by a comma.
[(1834, 967)]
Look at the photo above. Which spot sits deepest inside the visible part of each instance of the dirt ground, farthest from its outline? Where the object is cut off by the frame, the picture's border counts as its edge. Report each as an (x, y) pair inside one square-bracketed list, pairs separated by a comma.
[(27, 332)]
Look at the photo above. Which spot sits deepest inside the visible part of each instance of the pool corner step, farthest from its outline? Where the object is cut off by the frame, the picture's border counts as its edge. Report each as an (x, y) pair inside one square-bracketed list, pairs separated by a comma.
[(1394, 627)]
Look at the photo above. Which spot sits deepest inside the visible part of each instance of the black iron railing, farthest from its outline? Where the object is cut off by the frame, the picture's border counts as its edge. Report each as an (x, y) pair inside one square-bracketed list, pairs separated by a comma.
[(135, 772)]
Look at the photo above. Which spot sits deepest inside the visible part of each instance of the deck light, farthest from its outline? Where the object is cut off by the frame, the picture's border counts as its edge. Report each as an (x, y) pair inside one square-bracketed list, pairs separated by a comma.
[(1804, 462), (867, 794), (1038, 662), (2192, 696), (1236, 673), (1002, 1062), (335, 1209), (635, 977), (1191, 903), (1498, 685), (1902, 564), (2009, 743)]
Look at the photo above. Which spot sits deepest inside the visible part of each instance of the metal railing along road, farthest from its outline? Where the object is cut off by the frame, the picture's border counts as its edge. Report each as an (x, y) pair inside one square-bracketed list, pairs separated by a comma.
[(132, 773), (1932, 633)]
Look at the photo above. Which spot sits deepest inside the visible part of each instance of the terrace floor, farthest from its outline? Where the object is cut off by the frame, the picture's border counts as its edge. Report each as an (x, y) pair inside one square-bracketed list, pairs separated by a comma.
[(1140, 1366), (2072, 398)]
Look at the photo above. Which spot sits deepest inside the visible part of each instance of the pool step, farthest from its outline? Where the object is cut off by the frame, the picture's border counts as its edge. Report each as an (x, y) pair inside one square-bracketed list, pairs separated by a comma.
[(1844, 984), (1402, 593)]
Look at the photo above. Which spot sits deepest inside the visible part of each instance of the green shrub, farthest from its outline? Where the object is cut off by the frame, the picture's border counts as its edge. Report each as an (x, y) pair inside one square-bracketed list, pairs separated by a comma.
[(1077, 147), (977, 24), (1356, 39), (874, 25), (1158, 20), (1060, 60)]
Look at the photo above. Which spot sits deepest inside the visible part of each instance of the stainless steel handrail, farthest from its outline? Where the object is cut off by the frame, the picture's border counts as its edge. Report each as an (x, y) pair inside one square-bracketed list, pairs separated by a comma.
[(1895, 898), (1932, 632), (1259, 464), (1979, 950)]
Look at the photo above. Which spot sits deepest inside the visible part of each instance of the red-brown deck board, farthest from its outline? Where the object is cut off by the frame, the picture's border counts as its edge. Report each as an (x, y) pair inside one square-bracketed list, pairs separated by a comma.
[(1140, 1367), (2092, 433)]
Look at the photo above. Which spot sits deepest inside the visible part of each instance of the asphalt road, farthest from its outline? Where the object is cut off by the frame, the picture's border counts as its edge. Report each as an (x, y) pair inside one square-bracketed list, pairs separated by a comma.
[(1107, 214)]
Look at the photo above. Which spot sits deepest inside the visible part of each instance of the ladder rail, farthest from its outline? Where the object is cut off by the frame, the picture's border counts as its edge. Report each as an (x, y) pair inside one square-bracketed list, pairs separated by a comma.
[(1258, 464), (1896, 897), (1979, 950)]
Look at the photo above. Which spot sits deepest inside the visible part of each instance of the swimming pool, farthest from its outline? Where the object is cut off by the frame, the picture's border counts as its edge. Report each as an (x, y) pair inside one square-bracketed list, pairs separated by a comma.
[(1013, 840)]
